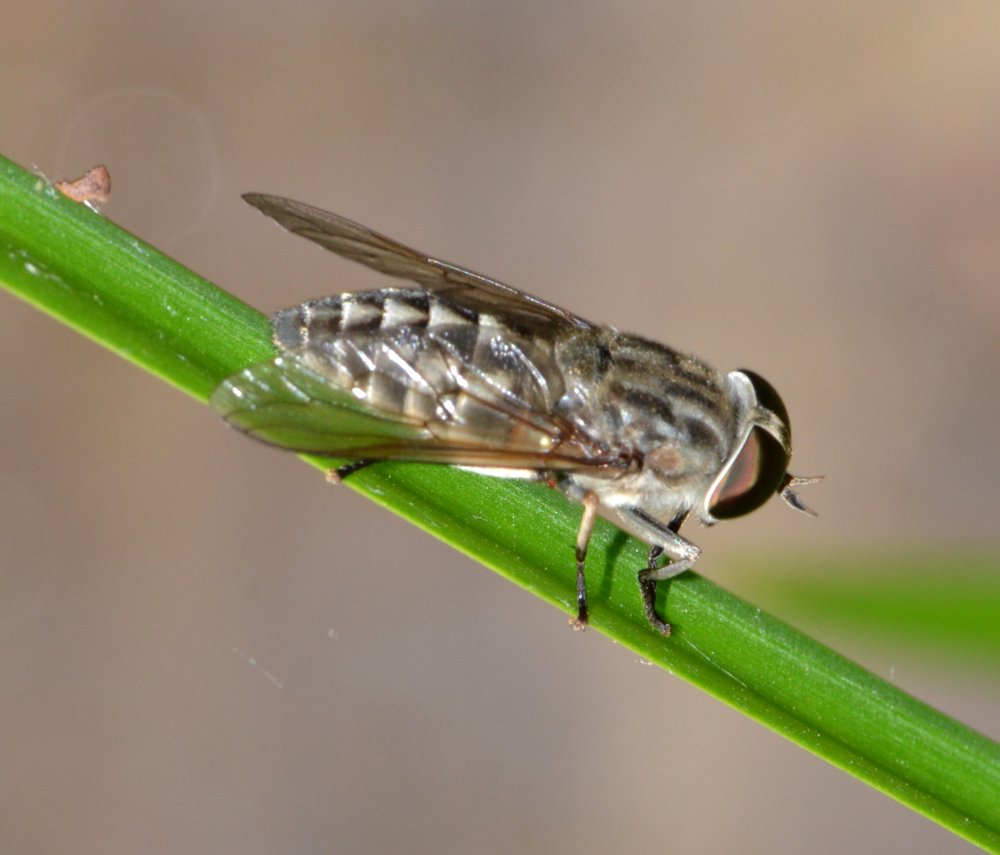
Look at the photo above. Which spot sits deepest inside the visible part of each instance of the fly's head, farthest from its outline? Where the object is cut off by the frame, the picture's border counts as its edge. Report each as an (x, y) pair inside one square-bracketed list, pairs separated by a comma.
[(757, 466)]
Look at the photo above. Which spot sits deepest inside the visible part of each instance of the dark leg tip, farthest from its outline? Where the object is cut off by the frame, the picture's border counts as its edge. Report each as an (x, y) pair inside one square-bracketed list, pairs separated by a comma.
[(648, 588), (335, 476), (660, 626)]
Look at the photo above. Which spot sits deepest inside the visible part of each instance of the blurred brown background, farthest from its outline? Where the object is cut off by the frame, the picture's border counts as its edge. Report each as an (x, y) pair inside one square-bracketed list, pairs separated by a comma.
[(206, 649)]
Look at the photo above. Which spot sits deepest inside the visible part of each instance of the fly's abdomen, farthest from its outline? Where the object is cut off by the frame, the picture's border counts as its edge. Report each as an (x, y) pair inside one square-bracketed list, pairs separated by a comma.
[(418, 354)]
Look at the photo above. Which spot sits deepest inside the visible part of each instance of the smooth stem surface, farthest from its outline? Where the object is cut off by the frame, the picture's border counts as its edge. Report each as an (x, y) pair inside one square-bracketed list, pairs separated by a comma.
[(80, 268)]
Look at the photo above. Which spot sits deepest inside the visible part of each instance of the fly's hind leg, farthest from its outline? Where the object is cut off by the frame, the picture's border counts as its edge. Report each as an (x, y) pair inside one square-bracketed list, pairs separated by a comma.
[(590, 505), (335, 476)]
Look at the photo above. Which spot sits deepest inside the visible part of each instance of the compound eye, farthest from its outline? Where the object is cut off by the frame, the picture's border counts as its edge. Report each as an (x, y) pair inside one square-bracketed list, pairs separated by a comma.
[(750, 478)]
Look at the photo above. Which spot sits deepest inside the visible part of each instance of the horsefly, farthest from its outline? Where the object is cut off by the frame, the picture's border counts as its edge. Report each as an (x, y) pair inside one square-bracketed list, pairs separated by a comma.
[(465, 371)]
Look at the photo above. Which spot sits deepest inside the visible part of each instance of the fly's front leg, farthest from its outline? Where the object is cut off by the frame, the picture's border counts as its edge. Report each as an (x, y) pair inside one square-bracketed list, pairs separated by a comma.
[(682, 554), (666, 541), (590, 505), (647, 587)]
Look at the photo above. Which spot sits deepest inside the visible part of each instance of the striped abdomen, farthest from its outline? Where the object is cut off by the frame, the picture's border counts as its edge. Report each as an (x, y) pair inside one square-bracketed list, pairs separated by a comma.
[(416, 353)]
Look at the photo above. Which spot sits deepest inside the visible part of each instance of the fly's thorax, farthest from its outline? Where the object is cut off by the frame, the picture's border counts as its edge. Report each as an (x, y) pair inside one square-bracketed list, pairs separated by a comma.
[(668, 410)]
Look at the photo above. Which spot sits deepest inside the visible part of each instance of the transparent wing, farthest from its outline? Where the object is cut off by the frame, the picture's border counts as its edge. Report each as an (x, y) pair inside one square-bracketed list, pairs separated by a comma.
[(284, 403), (294, 405), (359, 243)]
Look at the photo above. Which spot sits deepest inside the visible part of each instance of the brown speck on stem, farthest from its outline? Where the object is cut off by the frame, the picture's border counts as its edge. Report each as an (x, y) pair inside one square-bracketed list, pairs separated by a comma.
[(93, 188)]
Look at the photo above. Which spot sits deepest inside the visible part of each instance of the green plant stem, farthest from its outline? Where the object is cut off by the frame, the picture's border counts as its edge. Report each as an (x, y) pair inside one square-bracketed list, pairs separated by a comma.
[(83, 270)]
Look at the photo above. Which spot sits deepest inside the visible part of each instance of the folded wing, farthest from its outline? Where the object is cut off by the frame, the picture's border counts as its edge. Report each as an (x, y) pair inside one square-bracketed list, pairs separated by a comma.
[(359, 243)]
